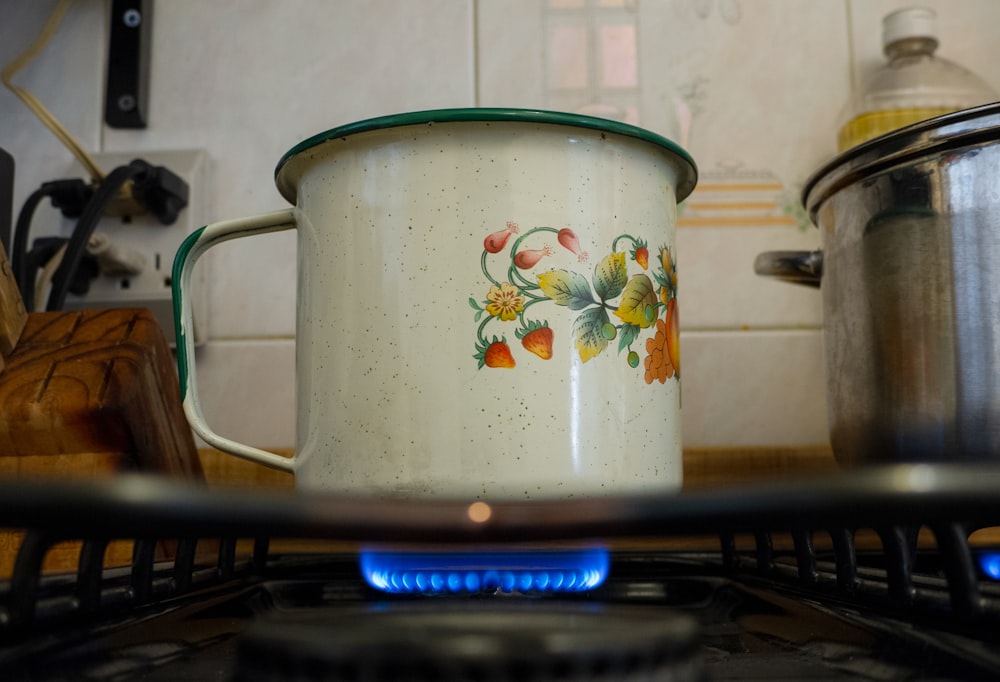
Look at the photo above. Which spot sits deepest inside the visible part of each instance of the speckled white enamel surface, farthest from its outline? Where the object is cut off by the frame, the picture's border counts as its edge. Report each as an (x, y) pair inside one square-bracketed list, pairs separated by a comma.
[(391, 396)]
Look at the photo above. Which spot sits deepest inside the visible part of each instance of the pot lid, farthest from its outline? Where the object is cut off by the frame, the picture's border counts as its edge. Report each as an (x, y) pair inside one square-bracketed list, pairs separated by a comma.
[(687, 170), (919, 140)]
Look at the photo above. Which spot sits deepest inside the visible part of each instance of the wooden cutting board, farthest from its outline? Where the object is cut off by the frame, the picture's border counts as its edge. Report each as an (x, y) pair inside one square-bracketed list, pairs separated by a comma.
[(93, 382), (13, 316)]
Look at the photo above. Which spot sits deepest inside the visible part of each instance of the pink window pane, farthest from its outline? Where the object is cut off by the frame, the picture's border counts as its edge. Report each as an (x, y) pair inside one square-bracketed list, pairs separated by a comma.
[(567, 57), (618, 57)]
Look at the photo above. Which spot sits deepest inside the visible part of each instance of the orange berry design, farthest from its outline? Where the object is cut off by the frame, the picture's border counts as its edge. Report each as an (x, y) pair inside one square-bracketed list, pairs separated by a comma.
[(537, 340), (495, 353), (498, 355), (673, 336), (641, 255)]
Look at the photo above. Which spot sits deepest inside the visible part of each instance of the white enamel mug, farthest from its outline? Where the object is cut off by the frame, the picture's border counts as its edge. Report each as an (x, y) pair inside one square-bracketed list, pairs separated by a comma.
[(487, 306)]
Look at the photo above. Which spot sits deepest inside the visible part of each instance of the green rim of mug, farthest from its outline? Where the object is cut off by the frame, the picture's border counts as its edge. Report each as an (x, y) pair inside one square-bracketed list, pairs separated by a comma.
[(687, 169), (179, 329)]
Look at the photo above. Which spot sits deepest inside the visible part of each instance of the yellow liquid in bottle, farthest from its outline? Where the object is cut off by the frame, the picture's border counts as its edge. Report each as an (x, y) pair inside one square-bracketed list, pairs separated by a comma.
[(874, 123)]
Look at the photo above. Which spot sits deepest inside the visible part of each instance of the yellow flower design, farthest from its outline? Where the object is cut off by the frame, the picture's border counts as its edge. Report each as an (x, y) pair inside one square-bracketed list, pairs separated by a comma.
[(504, 301)]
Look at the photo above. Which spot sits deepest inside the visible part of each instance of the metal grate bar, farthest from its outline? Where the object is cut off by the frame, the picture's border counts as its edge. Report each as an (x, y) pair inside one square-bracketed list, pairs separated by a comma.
[(846, 559), (184, 563), (227, 557), (90, 573), (805, 556), (765, 551), (956, 558), (27, 572), (261, 547), (899, 564), (153, 511), (143, 557)]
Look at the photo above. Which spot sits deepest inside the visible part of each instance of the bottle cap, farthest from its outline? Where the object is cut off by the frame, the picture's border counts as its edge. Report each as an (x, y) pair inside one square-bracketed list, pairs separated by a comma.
[(911, 22)]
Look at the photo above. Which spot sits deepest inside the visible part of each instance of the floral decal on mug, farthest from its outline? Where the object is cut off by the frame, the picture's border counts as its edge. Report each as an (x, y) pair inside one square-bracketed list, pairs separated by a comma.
[(623, 301)]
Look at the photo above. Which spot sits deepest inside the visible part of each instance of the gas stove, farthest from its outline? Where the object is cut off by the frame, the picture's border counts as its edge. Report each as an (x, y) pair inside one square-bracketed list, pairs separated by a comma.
[(863, 575)]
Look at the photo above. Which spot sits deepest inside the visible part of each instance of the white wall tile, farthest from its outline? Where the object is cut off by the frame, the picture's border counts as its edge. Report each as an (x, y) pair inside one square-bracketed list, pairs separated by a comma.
[(510, 53), (248, 80), (577, 55), (719, 289), (753, 388), (247, 390), (756, 84), (752, 90)]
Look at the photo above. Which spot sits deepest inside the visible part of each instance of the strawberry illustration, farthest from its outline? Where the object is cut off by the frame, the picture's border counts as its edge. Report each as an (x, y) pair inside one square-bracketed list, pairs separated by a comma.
[(641, 254), (498, 355), (536, 338), (495, 353)]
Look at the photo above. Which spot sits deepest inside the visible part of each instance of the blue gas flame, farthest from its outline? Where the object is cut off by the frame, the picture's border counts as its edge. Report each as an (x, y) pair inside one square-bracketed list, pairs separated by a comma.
[(989, 562), (575, 570)]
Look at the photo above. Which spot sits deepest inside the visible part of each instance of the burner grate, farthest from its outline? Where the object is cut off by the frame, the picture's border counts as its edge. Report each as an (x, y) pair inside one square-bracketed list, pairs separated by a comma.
[(901, 576), (942, 583)]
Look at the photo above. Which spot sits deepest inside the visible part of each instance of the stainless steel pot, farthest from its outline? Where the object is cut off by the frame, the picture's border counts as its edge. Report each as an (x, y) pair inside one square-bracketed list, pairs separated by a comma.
[(910, 274)]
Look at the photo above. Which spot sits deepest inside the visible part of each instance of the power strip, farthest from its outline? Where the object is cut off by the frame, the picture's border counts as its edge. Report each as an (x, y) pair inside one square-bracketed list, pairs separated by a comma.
[(157, 243)]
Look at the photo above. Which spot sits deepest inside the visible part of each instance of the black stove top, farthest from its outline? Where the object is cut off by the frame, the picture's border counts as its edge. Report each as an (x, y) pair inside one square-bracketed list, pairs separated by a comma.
[(861, 576)]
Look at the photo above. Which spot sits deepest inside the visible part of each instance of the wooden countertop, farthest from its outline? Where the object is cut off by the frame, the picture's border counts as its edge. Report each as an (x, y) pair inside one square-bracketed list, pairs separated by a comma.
[(703, 467)]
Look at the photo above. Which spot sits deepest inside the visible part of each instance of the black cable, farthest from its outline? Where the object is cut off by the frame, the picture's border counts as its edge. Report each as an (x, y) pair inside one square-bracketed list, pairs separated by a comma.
[(85, 227), (19, 249)]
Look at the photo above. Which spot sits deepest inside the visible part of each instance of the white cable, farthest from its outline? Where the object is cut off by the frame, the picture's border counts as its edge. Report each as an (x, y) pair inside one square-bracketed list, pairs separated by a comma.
[(44, 281)]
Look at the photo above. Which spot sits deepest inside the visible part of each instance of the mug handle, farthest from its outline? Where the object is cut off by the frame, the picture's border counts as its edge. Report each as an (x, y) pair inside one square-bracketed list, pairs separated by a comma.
[(187, 255)]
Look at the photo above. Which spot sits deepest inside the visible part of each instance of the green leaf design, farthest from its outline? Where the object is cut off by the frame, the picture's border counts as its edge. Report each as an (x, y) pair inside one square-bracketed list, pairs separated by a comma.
[(638, 306), (610, 276), (566, 288), (590, 341), (627, 333)]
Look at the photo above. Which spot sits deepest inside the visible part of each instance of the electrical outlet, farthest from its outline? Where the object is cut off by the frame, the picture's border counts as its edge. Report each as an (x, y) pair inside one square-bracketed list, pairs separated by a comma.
[(155, 242)]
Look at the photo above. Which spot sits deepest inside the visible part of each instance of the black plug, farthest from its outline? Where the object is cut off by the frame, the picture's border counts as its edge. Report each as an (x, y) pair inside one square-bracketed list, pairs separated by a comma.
[(42, 251), (69, 196), (161, 190)]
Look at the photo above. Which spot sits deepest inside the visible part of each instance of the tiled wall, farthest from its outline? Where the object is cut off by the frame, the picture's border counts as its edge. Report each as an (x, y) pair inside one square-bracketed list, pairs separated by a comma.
[(752, 88)]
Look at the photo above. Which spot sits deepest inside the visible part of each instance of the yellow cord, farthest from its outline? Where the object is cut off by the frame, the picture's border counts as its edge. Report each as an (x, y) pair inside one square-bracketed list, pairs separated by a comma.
[(35, 105)]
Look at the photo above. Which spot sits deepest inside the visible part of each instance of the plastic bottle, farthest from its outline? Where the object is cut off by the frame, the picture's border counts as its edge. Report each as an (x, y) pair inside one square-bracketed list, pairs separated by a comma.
[(913, 85)]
